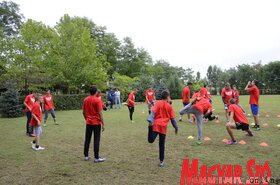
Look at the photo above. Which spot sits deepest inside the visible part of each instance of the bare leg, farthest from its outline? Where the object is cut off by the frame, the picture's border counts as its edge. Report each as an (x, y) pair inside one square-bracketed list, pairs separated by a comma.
[(229, 127), (256, 118)]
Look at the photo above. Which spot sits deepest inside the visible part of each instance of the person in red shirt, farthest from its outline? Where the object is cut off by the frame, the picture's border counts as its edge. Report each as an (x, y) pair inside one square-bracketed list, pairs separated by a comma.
[(237, 120), (28, 103), (92, 112), (200, 107), (36, 121), (205, 93), (254, 101), (131, 103), (227, 94), (236, 96), (186, 93), (48, 107), (158, 120), (150, 98)]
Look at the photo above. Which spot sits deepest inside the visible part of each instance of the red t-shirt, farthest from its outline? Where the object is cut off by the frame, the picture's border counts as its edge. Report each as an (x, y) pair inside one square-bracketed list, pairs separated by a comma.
[(37, 111), (48, 102), (236, 95), (92, 106), (29, 100), (203, 105), (195, 95), (238, 114), (163, 113), (208, 95), (150, 94), (131, 97), (227, 94), (186, 94), (254, 95)]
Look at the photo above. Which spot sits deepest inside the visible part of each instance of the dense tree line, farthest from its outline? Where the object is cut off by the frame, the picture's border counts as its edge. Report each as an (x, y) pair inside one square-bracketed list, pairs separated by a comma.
[(77, 53)]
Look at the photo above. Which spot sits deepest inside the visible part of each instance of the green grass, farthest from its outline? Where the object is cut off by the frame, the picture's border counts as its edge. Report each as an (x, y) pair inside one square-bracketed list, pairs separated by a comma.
[(130, 158)]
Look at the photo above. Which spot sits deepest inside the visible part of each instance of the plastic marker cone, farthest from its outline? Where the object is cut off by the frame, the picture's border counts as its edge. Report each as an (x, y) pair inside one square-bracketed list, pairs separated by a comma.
[(217, 121), (190, 137), (252, 123), (265, 125), (207, 139), (225, 140), (267, 115), (143, 112), (194, 122), (242, 142), (264, 144), (249, 114), (278, 125)]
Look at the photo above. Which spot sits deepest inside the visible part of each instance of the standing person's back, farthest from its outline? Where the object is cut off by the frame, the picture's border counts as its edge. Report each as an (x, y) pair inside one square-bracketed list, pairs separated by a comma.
[(118, 99)]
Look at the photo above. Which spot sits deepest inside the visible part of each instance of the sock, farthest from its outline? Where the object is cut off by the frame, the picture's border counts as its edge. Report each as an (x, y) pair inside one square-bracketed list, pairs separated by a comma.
[(34, 142), (37, 146)]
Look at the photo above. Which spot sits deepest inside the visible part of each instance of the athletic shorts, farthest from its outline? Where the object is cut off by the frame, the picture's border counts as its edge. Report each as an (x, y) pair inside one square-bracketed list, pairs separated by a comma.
[(38, 130), (242, 126), (254, 109)]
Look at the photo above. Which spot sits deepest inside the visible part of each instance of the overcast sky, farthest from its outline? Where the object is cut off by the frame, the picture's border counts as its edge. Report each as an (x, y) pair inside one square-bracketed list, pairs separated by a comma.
[(192, 34)]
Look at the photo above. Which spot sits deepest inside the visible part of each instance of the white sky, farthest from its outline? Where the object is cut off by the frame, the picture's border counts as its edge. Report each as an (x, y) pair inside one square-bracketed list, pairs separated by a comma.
[(193, 34)]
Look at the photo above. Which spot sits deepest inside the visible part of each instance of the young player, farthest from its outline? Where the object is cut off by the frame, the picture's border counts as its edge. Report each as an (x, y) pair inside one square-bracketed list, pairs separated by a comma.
[(237, 120), (236, 96), (150, 98), (28, 103), (92, 112), (186, 93), (158, 120), (205, 93), (200, 107), (131, 103), (36, 121), (254, 101), (48, 107), (227, 94)]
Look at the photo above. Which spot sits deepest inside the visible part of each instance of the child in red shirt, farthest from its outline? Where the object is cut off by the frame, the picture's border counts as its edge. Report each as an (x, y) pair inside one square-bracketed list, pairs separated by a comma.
[(48, 107), (131, 103), (150, 98), (36, 122), (237, 120), (158, 120), (92, 112)]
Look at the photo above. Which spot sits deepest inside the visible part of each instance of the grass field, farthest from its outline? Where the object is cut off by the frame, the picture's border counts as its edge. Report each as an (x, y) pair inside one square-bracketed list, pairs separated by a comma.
[(130, 158)]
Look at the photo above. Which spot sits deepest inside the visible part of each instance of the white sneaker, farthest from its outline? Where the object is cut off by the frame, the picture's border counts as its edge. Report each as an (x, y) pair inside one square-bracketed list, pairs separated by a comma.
[(99, 160), (87, 158), (161, 164), (33, 145), (39, 148)]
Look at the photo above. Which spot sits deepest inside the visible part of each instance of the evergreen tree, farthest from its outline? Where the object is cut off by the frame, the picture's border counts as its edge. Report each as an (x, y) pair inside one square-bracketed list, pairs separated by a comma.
[(159, 88), (9, 102)]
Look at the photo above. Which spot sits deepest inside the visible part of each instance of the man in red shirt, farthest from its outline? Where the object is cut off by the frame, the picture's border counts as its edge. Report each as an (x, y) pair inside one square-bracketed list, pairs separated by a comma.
[(237, 120), (254, 101), (186, 93), (28, 103), (92, 112), (227, 94), (158, 120), (205, 93), (36, 121), (150, 98), (48, 107), (200, 107), (131, 103)]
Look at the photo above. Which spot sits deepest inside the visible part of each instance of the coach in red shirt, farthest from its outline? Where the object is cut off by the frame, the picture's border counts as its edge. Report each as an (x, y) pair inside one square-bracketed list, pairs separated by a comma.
[(237, 120), (254, 101), (92, 112)]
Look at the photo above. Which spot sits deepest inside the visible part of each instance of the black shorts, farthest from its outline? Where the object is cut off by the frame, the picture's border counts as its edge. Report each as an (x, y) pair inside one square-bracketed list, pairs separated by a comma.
[(242, 126), (185, 103)]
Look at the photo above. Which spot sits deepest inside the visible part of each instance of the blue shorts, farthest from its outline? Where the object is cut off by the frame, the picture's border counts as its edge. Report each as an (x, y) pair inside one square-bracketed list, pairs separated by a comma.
[(38, 130), (254, 109)]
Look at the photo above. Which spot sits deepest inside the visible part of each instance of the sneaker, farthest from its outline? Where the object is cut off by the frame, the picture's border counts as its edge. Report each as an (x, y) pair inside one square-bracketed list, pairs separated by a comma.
[(39, 148), (33, 145), (232, 143), (199, 142), (132, 122), (217, 117), (190, 121), (258, 128), (99, 160), (250, 135), (161, 164), (87, 158), (180, 119), (254, 126)]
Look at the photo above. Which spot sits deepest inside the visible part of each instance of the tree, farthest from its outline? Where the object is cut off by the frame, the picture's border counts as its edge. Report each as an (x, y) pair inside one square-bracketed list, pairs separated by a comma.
[(159, 88), (9, 102)]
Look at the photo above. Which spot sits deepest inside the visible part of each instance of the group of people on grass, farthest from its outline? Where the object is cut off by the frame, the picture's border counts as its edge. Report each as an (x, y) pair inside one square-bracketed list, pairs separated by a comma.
[(160, 113)]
